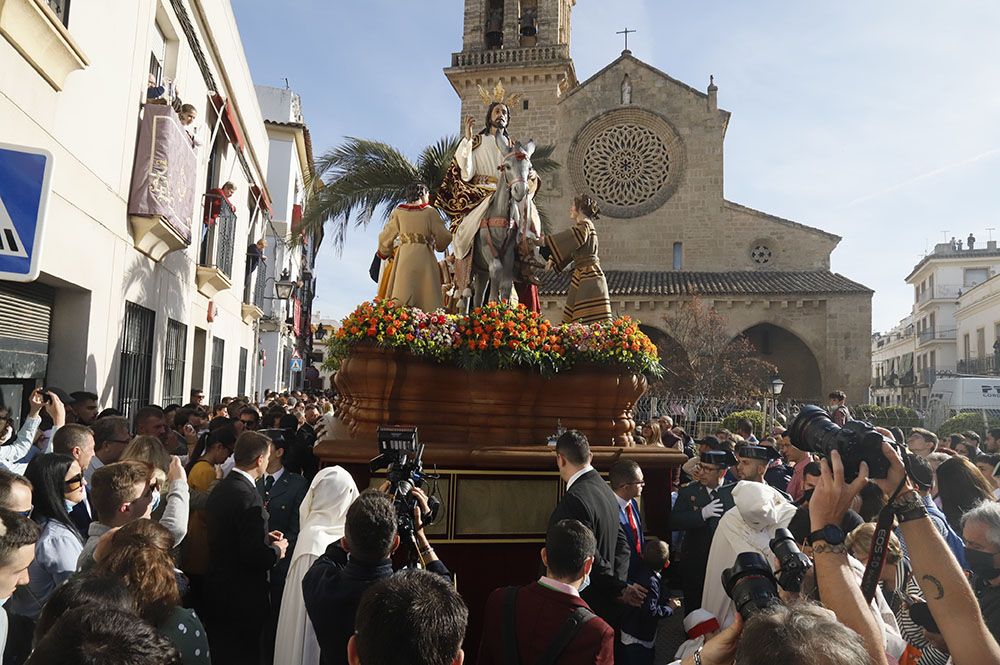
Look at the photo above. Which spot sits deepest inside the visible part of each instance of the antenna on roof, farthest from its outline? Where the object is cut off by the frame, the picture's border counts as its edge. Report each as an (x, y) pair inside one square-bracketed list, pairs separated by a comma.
[(990, 230)]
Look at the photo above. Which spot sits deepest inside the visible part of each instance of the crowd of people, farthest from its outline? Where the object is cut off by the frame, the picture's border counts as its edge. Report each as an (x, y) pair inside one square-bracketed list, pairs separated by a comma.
[(206, 533)]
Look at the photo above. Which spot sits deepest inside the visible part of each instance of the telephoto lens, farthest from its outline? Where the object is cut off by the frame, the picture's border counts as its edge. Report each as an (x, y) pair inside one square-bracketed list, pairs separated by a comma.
[(857, 441), (750, 584), (792, 562)]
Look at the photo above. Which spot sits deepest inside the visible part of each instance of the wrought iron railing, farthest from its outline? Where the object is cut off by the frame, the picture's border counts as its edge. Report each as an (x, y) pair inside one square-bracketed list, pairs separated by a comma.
[(217, 248), (986, 365), (135, 370)]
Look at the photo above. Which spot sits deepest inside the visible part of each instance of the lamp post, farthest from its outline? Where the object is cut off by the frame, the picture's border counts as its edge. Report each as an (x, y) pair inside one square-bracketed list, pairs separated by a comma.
[(776, 387), (282, 291)]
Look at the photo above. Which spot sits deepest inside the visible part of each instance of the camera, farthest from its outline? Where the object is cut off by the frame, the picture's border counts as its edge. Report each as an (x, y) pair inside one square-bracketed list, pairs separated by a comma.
[(793, 564), (857, 441), (750, 584), (400, 451)]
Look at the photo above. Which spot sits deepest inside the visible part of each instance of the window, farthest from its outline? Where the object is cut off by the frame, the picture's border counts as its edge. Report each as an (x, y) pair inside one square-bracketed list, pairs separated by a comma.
[(218, 352), (157, 56), (933, 362), (524, 105), (61, 10), (965, 346), (678, 255), (981, 343), (975, 276), (931, 322), (241, 386), (136, 363), (174, 362)]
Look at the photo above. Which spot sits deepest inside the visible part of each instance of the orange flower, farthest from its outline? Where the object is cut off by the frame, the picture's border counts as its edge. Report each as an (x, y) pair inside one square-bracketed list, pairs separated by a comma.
[(371, 331), (496, 344)]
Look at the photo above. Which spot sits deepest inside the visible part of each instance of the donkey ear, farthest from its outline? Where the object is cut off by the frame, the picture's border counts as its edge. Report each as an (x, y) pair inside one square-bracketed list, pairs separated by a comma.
[(529, 147)]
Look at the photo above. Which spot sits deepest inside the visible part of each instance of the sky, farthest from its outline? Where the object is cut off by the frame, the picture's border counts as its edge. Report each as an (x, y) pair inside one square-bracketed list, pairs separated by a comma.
[(876, 121)]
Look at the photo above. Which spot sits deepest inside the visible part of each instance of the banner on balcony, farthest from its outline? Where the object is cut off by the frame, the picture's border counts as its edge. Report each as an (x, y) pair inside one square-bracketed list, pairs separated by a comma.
[(163, 179)]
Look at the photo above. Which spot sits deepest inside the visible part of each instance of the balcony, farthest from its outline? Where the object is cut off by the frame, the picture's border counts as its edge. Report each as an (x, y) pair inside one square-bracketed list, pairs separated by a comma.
[(511, 56), (933, 334), (215, 266), (986, 366), (161, 199), (37, 29), (252, 308), (940, 292)]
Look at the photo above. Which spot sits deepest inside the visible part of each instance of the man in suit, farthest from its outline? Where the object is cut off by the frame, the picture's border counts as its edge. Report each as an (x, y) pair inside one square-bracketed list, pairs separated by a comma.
[(77, 441), (542, 609), (333, 586), (282, 492), (696, 512), (627, 483), (589, 500), (241, 551), (301, 458)]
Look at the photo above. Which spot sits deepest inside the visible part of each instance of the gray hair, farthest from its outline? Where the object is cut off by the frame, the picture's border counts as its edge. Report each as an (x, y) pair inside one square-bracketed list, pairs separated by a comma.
[(986, 513), (801, 633)]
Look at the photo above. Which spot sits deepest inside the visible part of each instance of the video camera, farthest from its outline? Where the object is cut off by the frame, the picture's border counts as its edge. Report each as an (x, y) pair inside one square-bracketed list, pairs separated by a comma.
[(857, 441), (751, 584), (400, 451)]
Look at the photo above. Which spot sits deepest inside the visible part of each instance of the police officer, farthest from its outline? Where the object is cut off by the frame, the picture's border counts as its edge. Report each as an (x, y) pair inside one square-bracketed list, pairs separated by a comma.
[(696, 512), (754, 464)]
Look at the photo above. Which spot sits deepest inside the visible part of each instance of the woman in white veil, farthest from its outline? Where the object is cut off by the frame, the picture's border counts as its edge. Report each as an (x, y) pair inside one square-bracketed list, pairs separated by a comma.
[(321, 516)]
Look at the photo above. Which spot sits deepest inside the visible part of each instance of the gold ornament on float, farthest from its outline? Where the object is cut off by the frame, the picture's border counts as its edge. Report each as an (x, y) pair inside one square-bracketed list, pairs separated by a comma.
[(497, 96)]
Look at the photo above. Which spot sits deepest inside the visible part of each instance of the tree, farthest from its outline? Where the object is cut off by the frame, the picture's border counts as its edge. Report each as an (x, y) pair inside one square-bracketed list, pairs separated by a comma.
[(362, 178), (707, 360)]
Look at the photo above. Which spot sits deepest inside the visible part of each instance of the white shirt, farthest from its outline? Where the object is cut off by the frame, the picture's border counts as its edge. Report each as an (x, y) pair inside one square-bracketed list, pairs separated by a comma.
[(556, 585), (622, 502), (277, 474), (245, 475), (572, 479), (95, 464)]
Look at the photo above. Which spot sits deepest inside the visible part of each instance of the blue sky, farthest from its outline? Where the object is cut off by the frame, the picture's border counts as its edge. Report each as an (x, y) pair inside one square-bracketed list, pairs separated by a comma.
[(875, 121)]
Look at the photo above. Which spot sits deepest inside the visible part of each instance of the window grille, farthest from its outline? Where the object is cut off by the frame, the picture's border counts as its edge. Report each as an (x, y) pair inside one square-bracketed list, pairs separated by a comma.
[(136, 364), (174, 361), (218, 351)]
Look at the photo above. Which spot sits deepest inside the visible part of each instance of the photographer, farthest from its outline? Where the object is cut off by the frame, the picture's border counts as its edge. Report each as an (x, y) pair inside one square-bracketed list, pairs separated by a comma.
[(334, 584)]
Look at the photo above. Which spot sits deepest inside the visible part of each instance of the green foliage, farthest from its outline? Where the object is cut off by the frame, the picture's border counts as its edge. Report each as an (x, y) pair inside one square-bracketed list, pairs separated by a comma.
[(754, 416), (963, 422), (888, 416)]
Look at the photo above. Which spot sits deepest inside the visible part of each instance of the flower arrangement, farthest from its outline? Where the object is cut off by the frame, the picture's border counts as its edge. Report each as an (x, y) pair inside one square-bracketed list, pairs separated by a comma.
[(497, 335)]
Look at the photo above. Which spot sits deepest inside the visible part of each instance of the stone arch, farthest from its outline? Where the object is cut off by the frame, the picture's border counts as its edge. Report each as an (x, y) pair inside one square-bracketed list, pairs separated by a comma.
[(795, 360), (670, 349)]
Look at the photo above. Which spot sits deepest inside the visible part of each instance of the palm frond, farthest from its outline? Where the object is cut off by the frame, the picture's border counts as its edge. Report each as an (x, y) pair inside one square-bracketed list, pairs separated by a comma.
[(435, 160), (541, 159)]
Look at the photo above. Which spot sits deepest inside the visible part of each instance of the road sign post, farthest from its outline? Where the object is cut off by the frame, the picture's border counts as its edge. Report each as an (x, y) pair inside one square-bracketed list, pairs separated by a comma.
[(25, 181)]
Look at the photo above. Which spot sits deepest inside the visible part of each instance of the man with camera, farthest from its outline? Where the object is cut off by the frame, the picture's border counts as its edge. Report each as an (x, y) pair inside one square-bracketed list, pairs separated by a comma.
[(335, 583), (696, 512)]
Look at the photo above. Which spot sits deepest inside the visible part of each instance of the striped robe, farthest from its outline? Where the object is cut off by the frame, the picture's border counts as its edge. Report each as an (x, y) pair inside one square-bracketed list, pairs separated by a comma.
[(587, 300)]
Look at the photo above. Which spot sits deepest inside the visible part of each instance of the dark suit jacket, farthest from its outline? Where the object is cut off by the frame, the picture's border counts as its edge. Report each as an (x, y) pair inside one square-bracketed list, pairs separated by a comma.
[(641, 622), (282, 506), (778, 477), (634, 558), (332, 589), (81, 517), (591, 501), (300, 456), (686, 517), (239, 555), (541, 611)]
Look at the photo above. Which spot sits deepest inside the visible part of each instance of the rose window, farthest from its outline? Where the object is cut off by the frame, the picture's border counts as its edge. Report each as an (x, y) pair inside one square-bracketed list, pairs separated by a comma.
[(626, 165), (761, 254)]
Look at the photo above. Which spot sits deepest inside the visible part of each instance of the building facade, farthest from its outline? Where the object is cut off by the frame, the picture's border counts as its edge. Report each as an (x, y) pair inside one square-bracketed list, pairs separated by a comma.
[(285, 339), (141, 296), (649, 148), (893, 373)]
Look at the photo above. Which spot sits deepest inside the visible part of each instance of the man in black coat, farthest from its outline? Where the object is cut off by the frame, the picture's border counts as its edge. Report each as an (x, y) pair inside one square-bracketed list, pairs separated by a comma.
[(241, 552), (282, 492), (696, 512), (590, 500), (301, 458), (333, 586)]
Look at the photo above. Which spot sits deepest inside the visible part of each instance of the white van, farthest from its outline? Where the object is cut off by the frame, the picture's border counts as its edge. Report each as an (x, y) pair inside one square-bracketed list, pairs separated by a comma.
[(960, 394)]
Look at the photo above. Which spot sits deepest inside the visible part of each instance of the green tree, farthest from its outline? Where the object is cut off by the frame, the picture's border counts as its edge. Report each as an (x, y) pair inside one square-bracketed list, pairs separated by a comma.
[(756, 418), (362, 179)]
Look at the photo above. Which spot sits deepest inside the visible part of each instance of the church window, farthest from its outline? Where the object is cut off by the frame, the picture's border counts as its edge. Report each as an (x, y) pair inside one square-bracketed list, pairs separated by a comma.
[(626, 165), (678, 255), (524, 104), (761, 254), (494, 24)]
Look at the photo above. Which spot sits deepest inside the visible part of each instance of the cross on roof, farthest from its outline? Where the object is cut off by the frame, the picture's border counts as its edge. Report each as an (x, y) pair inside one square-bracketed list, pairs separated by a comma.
[(625, 32)]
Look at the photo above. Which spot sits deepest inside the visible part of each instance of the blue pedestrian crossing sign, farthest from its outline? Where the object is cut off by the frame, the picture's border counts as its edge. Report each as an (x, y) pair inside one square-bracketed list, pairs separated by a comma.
[(296, 363), (25, 179)]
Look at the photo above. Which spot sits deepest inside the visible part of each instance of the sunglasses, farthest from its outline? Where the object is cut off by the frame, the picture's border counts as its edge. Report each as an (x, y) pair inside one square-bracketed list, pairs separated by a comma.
[(74, 483)]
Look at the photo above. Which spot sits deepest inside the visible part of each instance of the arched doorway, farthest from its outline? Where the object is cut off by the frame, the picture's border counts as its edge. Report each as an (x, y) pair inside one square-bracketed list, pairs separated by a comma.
[(669, 348), (795, 361)]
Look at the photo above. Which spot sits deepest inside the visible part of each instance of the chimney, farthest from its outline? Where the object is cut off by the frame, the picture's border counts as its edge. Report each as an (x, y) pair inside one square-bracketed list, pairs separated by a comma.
[(713, 94)]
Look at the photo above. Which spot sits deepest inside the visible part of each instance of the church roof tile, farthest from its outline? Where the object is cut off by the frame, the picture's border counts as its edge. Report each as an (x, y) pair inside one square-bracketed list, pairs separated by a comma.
[(678, 283)]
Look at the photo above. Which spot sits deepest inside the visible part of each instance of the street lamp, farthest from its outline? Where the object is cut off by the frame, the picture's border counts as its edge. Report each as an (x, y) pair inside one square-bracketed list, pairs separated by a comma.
[(283, 287), (776, 386)]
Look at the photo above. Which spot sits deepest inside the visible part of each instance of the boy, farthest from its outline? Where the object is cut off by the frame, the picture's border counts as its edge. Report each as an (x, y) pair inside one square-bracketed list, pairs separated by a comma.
[(638, 629)]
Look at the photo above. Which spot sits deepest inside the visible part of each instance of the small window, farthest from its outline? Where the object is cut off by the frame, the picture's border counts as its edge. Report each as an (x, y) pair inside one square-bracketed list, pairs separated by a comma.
[(761, 254), (678, 255), (524, 104), (61, 9), (157, 57), (974, 276)]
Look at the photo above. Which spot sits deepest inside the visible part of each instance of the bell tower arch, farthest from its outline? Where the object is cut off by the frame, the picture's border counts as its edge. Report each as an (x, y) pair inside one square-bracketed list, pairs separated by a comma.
[(525, 45)]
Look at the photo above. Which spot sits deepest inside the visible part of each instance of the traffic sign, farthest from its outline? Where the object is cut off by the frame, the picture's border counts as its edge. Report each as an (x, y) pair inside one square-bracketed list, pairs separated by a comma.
[(25, 180), (296, 364)]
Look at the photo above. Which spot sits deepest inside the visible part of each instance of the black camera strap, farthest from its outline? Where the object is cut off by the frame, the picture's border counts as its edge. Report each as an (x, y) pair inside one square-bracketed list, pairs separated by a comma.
[(880, 546)]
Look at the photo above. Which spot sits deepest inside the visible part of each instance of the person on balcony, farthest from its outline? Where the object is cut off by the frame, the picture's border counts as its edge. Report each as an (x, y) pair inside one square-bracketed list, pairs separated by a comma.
[(214, 200), (418, 230)]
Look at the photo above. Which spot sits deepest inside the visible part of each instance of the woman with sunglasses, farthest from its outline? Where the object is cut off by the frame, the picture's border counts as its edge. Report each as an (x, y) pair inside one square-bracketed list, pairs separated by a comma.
[(58, 484)]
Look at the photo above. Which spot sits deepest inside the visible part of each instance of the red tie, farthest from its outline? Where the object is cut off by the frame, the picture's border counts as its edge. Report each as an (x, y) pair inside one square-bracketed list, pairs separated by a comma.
[(635, 527)]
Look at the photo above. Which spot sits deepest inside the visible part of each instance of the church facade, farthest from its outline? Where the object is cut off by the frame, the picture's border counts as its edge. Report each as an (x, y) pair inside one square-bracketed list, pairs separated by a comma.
[(649, 148)]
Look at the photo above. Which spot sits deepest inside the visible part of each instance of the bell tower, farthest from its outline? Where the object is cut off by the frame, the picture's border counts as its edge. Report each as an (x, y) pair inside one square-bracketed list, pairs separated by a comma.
[(525, 45)]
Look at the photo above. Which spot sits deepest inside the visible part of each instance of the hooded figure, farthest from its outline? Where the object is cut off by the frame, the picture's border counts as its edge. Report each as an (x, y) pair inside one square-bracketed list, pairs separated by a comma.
[(322, 515), (760, 510)]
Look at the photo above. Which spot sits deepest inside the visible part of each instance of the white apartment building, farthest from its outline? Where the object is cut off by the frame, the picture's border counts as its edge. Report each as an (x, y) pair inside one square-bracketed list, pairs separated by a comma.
[(893, 376), (977, 320), (139, 300), (285, 331)]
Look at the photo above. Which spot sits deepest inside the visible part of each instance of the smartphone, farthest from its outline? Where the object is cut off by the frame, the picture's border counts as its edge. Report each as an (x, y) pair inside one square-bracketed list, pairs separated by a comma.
[(921, 615), (46, 397)]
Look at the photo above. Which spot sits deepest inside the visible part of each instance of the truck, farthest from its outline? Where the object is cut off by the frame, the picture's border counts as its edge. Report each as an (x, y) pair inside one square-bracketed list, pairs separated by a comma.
[(951, 395)]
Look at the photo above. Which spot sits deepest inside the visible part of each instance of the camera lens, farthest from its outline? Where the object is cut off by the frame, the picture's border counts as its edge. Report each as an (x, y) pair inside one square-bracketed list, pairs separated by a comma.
[(793, 563), (750, 584), (813, 431)]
